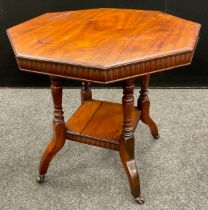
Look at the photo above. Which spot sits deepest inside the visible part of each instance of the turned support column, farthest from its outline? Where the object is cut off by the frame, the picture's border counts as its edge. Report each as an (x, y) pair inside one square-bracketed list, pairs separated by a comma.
[(58, 138), (144, 89), (127, 142), (143, 104), (128, 105), (56, 92), (86, 93)]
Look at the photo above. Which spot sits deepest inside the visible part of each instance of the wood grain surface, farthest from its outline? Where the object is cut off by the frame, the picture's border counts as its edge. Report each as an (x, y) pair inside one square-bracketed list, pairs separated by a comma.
[(99, 119), (103, 38), (103, 45)]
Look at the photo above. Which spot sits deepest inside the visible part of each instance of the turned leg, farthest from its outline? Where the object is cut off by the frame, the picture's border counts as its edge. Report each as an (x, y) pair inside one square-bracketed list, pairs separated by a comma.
[(127, 141), (144, 105), (86, 93), (58, 138)]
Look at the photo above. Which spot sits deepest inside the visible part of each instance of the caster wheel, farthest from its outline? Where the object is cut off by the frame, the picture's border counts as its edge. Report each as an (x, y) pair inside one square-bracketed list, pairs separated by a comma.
[(157, 137), (40, 178), (139, 200)]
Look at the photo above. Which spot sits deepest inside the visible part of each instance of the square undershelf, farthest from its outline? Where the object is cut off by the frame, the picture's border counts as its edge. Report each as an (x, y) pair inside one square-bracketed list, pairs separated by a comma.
[(100, 119)]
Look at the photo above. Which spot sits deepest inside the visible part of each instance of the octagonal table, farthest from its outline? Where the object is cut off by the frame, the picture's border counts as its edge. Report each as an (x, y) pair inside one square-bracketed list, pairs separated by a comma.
[(103, 46)]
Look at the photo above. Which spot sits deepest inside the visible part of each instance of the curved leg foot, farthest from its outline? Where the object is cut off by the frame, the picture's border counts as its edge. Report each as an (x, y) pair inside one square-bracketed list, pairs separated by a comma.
[(129, 164), (58, 139), (145, 118), (143, 104), (53, 147)]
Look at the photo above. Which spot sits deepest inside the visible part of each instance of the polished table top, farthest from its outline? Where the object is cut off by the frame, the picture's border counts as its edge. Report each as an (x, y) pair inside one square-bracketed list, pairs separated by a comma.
[(103, 45)]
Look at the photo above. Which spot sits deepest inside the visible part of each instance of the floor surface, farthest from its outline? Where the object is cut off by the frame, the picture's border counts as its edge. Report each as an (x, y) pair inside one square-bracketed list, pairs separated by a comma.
[(173, 170)]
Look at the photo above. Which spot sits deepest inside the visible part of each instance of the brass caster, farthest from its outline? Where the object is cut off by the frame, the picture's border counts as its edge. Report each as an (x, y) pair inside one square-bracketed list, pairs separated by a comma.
[(157, 137), (139, 200), (40, 178)]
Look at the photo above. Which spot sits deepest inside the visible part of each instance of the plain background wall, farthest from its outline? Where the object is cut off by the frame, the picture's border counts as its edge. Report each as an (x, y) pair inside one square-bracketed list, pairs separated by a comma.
[(14, 12)]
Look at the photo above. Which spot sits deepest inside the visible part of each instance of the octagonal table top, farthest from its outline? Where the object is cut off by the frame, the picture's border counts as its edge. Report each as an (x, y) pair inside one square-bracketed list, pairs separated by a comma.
[(103, 45)]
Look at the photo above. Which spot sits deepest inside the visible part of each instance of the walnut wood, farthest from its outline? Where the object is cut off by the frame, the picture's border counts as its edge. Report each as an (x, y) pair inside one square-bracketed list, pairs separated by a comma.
[(128, 104), (93, 140), (107, 121), (79, 120), (100, 120), (144, 105), (86, 93), (127, 142), (108, 76), (103, 45), (129, 164), (58, 139)]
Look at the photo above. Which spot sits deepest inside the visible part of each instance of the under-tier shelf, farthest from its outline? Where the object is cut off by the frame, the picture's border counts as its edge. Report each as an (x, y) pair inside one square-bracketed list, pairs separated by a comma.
[(98, 123)]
